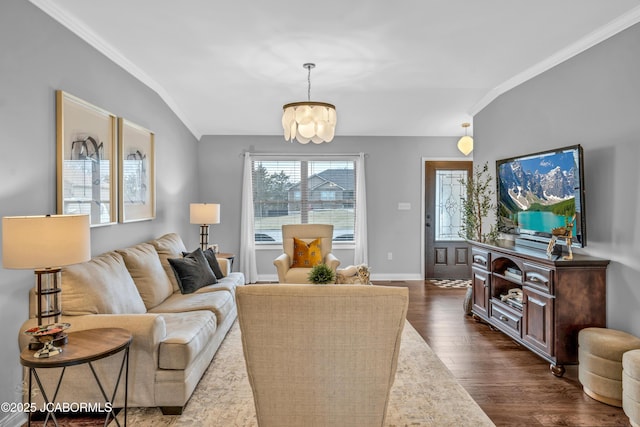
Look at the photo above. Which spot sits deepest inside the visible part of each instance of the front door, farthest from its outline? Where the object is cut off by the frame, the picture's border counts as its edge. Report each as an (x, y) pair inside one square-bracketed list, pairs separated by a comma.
[(447, 254)]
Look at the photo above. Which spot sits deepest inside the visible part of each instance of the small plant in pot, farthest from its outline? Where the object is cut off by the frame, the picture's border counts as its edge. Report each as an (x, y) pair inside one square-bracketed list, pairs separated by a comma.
[(321, 274)]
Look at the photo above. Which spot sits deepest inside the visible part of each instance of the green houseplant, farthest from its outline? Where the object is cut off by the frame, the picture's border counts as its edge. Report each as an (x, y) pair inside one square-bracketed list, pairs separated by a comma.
[(477, 205), (321, 274)]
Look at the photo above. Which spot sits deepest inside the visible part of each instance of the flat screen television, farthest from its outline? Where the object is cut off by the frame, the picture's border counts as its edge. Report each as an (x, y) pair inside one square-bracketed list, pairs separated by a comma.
[(542, 191)]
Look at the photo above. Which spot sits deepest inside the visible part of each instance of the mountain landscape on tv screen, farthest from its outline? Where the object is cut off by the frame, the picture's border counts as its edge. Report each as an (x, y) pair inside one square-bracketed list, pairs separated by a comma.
[(545, 184)]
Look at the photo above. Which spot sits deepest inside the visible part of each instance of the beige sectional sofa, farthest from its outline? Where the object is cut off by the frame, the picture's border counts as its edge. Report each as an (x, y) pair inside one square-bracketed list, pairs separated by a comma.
[(175, 335)]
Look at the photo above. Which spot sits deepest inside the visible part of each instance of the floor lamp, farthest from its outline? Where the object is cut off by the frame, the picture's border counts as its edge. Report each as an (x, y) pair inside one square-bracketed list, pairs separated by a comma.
[(44, 244), (204, 214)]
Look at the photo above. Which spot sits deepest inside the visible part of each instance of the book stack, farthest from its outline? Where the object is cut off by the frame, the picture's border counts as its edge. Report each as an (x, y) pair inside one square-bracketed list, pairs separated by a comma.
[(513, 273)]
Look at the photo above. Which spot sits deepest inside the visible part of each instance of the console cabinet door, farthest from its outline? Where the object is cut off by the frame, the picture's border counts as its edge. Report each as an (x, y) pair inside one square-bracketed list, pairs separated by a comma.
[(480, 283), (538, 319)]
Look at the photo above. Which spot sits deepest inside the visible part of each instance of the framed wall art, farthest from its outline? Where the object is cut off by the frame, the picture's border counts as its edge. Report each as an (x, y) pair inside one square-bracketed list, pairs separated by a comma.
[(137, 189), (86, 160)]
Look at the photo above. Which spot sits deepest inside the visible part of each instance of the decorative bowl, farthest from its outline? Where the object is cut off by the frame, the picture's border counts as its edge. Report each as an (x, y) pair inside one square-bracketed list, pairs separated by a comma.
[(53, 329)]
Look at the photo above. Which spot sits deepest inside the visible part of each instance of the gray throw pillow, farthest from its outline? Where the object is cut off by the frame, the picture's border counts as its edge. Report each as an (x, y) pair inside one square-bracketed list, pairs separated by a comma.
[(213, 263), (192, 271), (210, 256)]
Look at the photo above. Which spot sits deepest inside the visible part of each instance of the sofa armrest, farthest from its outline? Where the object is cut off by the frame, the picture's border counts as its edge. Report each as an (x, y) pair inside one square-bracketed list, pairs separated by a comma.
[(282, 263), (224, 266), (148, 329), (331, 260)]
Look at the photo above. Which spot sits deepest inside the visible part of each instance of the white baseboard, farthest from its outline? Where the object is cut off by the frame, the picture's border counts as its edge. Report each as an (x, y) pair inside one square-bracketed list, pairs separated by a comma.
[(268, 278), (396, 277), (374, 277), (14, 419)]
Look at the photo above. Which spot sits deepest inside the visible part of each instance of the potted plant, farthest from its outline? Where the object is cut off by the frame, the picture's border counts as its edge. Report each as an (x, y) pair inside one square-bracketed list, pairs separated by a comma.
[(321, 274), (477, 205)]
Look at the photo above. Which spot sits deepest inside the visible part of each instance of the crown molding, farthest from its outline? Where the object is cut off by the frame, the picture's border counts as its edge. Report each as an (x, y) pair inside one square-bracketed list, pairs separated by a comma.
[(601, 34), (98, 43), (615, 26)]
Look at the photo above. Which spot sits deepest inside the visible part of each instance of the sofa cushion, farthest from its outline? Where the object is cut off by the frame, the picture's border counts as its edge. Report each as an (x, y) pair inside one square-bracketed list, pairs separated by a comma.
[(297, 275), (306, 254), (102, 285), (192, 271), (187, 334), (169, 246), (144, 266), (221, 303), (229, 283)]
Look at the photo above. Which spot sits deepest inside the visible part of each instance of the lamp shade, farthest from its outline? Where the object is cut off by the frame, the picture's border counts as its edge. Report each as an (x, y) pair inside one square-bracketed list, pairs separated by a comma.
[(33, 242), (204, 213)]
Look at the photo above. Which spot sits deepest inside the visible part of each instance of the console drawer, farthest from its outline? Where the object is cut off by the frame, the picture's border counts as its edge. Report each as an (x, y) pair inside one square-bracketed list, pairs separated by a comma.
[(505, 317), (538, 277), (480, 258)]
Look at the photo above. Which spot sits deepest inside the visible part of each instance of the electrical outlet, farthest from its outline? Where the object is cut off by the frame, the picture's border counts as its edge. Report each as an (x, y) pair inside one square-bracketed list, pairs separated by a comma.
[(389, 256)]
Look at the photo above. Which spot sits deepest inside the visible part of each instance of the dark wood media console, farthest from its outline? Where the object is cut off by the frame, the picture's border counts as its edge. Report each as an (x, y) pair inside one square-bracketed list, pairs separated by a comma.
[(550, 299)]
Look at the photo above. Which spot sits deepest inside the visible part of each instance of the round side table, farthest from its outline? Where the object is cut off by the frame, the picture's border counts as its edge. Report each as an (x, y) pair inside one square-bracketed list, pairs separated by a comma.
[(83, 347)]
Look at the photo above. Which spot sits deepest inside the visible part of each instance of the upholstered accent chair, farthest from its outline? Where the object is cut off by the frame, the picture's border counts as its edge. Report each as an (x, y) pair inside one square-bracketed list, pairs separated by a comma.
[(321, 355), (307, 233)]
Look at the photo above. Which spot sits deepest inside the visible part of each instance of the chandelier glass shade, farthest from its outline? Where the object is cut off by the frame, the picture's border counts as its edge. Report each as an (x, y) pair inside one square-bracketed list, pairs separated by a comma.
[(465, 144), (309, 121)]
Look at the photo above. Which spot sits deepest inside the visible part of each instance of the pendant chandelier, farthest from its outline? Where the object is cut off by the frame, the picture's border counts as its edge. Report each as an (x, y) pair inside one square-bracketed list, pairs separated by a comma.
[(308, 120), (465, 144)]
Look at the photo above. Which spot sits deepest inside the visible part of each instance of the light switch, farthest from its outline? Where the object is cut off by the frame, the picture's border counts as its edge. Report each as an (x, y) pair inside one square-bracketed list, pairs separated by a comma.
[(404, 206)]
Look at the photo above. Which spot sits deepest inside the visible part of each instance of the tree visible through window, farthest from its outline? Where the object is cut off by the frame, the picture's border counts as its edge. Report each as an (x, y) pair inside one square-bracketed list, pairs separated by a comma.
[(303, 192)]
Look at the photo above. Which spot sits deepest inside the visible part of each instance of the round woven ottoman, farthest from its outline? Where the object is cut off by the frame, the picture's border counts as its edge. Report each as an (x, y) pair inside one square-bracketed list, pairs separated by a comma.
[(600, 353), (631, 386)]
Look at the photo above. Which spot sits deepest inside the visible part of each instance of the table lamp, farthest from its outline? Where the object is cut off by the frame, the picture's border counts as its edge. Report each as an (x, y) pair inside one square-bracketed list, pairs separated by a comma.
[(46, 243), (204, 214)]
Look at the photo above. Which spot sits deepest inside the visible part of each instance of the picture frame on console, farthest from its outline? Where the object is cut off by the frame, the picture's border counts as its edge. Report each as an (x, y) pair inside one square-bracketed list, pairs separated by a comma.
[(137, 191), (85, 160)]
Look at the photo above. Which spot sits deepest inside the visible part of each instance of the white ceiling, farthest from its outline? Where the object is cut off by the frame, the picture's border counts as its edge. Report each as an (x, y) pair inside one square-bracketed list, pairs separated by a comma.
[(403, 67)]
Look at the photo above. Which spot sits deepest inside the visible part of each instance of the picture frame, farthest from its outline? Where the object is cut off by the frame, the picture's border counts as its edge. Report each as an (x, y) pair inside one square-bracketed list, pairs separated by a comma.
[(86, 160), (136, 176)]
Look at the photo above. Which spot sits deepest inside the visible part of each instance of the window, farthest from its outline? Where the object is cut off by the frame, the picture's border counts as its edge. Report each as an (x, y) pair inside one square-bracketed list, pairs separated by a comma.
[(304, 191), (450, 190)]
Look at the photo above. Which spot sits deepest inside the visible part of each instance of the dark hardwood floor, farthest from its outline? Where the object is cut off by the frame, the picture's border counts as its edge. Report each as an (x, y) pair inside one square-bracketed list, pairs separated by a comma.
[(512, 385)]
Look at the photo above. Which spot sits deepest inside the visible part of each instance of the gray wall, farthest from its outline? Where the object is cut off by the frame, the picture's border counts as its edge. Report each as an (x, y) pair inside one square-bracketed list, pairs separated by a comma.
[(38, 56), (393, 174), (593, 100)]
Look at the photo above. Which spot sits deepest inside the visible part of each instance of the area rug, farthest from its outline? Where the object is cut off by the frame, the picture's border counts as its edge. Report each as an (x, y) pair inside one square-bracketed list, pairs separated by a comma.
[(424, 393), (450, 283)]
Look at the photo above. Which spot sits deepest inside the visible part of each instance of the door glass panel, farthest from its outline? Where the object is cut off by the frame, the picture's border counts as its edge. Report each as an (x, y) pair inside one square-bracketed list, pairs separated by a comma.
[(449, 194)]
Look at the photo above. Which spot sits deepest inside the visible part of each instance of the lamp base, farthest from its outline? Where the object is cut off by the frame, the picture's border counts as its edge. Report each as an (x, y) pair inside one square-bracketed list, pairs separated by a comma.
[(204, 237)]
